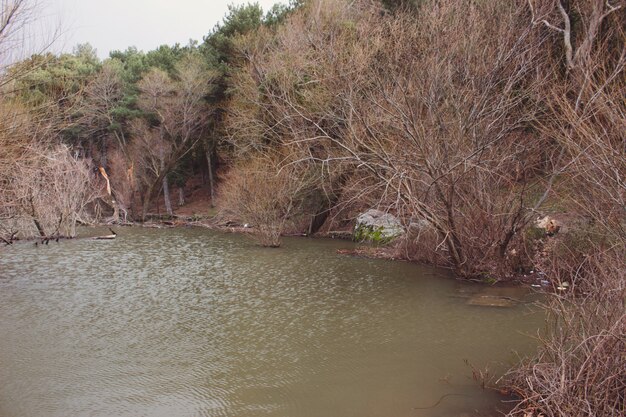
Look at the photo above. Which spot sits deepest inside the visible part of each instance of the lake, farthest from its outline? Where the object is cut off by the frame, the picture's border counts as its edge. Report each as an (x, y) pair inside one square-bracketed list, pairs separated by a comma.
[(192, 322)]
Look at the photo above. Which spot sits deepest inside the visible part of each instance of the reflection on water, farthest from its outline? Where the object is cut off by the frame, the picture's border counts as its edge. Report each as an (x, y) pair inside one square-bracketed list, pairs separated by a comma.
[(188, 322)]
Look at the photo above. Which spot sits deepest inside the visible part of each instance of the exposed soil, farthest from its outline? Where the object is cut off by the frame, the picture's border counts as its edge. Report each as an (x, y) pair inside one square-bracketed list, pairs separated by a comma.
[(197, 201)]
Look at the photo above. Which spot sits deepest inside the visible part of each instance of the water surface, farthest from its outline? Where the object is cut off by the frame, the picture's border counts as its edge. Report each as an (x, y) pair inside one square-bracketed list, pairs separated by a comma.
[(189, 322)]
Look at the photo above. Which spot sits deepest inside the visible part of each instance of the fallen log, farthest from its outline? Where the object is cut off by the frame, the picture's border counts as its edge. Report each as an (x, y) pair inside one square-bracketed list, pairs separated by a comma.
[(10, 239), (112, 236), (104, 237)]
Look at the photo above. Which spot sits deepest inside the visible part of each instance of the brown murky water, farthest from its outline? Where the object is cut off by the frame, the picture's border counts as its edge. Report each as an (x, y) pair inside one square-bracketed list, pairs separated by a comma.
[(188, 322)]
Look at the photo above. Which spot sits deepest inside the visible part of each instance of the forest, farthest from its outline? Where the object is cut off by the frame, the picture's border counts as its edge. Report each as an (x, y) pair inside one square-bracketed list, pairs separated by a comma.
[(468, 120)]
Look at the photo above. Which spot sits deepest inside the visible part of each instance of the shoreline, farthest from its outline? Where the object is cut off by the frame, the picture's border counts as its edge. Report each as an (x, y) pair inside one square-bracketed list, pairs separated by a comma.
[(364, 250)]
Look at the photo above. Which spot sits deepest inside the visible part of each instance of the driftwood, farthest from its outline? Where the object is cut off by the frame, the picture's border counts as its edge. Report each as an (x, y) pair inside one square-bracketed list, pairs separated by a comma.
[(9, 240), (112, 236)]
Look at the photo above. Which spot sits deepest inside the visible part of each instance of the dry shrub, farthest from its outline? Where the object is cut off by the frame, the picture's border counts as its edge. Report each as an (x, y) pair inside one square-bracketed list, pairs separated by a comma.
[(55, 192), (452, 144), (270, 199), (431, 110), (420, 244), (45, 189), (47, 195), (357, 194), (14, 149), (580, 368), (563, 258)]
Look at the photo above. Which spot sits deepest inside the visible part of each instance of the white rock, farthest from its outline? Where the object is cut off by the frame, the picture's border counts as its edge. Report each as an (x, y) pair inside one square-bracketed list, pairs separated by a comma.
[(377, 224)]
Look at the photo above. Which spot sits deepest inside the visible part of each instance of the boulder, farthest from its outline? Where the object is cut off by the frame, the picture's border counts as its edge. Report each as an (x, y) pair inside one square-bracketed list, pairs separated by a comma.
[(497, 296), (491, 301), (377, 226), (418, 226)]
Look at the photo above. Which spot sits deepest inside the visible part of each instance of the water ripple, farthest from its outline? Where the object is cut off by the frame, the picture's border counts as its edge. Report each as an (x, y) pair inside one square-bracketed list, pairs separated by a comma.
[(188, 322)]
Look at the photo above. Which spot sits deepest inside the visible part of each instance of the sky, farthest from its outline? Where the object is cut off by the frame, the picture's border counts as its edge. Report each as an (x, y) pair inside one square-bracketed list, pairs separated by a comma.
[(117, 24)]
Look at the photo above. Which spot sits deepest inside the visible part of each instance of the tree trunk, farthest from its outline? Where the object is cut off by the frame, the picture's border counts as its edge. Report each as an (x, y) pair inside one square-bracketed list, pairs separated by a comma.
[(209, 161), (42, 233), (166, 197), (133, 205), (318, 220), (116, 211), (38, 225), (181, 196), (147, 200), (72, 226), (104, 153), (111, 197)]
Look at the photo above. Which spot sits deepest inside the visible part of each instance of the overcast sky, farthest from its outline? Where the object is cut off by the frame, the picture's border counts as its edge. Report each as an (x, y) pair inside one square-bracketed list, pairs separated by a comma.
[(117, 24)]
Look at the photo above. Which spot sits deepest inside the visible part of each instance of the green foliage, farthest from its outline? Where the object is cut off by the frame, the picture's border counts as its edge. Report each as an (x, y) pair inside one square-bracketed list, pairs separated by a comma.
[(86, 52), (52, 79), (218, 46), (132, 66), (400, 4), (581, 239), (136, 63), (133, 63), (279, 12), (365, 233), (489, 279), (165, 57), (534, 233)]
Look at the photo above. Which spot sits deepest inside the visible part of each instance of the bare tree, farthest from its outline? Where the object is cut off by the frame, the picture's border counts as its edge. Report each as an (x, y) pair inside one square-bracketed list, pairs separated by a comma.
[(99, 104), (100, 98), (180, 116), (557, 16), (15, 17), (19, 37)]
